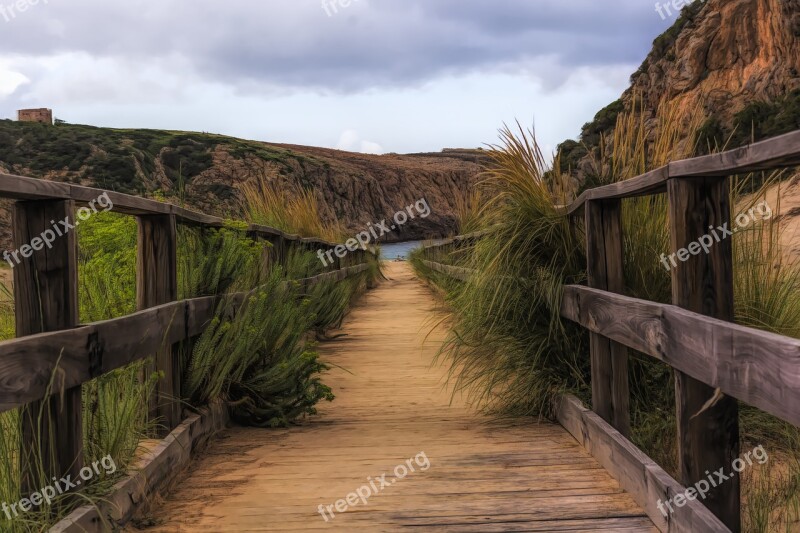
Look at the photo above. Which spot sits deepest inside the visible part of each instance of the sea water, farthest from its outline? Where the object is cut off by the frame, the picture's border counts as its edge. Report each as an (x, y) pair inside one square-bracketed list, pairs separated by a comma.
[(390, 252)]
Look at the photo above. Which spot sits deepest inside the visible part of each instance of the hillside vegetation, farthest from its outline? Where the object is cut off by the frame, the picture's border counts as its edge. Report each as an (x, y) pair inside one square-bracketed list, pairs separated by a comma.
[(208, 172)]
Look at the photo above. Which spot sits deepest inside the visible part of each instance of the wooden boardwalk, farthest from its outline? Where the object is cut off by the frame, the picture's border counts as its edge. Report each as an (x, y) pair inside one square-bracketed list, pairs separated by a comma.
[(391, 406)]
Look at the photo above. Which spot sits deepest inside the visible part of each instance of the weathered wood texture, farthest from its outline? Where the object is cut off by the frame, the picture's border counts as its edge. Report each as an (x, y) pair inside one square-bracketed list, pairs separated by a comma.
[(484, 475), (647, 482), (458, 240), (778, 152), (708, 428), (89, 351), (159, 463), (45, 297), (609, 359), (157, 284), (23, 188), (653, 182), (757, 367), (459, 273)]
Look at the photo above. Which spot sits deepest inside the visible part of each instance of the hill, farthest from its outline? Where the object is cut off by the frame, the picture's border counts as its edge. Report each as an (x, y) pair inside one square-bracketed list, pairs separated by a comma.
[(206, 172)]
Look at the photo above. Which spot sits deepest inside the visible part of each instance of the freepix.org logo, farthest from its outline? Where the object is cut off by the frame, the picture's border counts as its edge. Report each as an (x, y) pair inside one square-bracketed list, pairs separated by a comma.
[(57, 230), (666, 9), (374, 232), (10, 11)]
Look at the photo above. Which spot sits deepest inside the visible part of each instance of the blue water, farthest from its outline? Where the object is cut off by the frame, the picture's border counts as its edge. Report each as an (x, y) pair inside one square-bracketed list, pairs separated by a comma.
[(390, 252)]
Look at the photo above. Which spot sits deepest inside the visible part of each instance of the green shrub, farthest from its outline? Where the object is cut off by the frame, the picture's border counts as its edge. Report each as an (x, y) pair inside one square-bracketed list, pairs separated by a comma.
[(253, 356), (604, 120)]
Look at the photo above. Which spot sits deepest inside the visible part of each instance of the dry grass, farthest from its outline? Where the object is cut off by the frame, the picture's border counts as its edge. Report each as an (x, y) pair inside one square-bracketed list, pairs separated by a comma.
[(296, 212)]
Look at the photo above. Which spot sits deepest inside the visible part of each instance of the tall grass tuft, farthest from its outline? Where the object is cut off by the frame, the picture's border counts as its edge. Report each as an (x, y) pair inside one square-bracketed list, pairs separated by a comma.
[(295, 212), (509, 348), (213, 261), (468, 211), (254, 356)]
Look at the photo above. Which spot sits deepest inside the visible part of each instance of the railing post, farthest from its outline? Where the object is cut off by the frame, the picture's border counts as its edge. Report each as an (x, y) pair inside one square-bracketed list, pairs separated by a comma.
[(46, 299), (610, 388), (708, 437), (157, 284), (275, 252)]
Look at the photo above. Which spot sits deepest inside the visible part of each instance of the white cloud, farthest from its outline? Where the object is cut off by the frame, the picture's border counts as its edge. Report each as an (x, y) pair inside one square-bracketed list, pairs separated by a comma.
[(369, 147), (350, 141), (10, 79)]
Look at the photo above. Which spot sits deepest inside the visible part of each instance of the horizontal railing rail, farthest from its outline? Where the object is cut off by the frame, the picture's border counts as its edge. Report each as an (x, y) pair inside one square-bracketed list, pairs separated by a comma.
[(758, 367), (457, 240), (770, 154), (459, 273), (27, 364), (22, 188)]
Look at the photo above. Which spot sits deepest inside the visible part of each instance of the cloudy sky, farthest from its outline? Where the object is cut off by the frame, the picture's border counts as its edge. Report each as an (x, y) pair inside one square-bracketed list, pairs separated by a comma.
[(373, 76)]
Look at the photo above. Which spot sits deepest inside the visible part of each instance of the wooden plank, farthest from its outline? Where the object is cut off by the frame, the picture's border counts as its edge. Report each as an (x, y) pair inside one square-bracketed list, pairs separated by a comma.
[(653, 182), (757, 367), (609, 359), (22, 188), (708, 431), (45, 299), (194, 218), (459, 273), (458, 239), (123, 203), (151, 473), (778, 152), (138, 206), (265, 231), (157, 284), (647, 482), (83, 353)]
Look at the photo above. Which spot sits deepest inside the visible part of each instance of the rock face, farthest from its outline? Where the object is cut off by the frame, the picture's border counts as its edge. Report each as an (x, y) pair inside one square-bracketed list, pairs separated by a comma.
[(358, 189), (735, 61), (206, 172), (724, 55)]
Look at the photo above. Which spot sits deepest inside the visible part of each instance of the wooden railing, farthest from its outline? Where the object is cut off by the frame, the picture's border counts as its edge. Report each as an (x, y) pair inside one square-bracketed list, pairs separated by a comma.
[(53, 354), (695, 335)]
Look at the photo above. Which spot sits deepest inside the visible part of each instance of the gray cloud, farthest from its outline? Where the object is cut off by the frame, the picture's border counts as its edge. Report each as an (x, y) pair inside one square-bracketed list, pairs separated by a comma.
[(252, 45)]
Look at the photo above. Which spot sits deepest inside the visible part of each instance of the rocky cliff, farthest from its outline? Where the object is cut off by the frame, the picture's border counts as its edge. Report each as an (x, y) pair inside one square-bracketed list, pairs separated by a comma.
[(737, 60), (206, 172), (726, 56)]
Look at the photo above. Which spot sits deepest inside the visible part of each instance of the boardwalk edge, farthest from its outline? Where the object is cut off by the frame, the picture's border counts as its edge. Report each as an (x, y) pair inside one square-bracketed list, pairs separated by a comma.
[(639, 475), (154, 470)]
